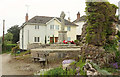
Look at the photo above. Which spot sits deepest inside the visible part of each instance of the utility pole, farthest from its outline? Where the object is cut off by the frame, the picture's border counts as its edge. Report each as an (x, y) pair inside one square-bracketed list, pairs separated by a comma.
[(3, 35), (3, 31)]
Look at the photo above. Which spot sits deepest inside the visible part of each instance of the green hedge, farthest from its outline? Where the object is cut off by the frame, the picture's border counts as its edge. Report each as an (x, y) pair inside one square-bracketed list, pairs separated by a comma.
[(7, 47)]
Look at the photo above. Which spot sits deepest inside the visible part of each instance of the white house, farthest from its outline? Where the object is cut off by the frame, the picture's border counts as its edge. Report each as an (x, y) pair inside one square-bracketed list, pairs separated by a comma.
[(80, 21), (42, 29)]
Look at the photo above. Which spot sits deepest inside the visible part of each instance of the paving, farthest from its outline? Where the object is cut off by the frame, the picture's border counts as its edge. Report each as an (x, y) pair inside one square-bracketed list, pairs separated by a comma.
[(57, 50)]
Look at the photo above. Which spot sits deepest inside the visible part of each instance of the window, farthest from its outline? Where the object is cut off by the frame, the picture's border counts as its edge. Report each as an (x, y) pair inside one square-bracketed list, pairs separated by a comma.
[(57, 27), (36, 39), (51, 26), (69, 38), (36, 26), (68, 28)]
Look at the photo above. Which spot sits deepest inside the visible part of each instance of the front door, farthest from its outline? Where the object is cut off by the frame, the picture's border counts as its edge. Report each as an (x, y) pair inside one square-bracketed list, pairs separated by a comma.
[(56, 39), (51, 40)]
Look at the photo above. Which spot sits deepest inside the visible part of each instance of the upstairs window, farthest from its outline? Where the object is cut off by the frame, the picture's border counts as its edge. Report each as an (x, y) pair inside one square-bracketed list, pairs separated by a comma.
[(68, 28), (51, 26), (36, 26), (57, 27), (36, 39)]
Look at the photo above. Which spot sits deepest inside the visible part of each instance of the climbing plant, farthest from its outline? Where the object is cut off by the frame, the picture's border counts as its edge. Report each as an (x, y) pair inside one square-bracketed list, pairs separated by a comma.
[(100, 18)]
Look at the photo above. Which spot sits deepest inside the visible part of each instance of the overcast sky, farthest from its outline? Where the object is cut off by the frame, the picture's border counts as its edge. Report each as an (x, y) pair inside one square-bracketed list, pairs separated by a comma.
[(13, 11)]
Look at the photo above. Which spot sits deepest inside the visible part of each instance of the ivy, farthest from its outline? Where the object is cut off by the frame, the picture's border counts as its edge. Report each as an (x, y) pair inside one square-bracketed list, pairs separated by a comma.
[(100, 16)]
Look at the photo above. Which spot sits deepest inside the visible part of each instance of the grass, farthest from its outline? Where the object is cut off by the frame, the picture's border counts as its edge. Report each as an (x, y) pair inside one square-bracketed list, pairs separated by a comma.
[(23, 57), (21, 53), (111, 70), (11, 44)]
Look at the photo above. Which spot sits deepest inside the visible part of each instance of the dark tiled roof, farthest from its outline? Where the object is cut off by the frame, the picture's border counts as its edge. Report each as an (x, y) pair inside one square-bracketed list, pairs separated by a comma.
[(40, 19), (45, 19), (67, 22), (83, 18)]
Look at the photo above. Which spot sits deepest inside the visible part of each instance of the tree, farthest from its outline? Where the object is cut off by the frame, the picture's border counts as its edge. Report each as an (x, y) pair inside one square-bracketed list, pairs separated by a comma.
[(8, 38), (15, 30), (101, 29), (0, 40)]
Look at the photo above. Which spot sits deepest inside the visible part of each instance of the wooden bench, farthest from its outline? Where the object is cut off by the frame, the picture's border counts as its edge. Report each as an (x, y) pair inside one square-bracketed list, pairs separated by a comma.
[(41, 58), (36, 59)]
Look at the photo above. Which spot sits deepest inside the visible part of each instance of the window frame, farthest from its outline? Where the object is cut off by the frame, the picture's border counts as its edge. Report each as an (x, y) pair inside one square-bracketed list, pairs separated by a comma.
[(56, 27), (68, 28), (36, 39), (36, 26), (51, 27)]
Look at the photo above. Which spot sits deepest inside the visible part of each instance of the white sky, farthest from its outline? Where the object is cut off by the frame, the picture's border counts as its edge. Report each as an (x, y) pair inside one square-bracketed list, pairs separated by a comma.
[(13, 11)]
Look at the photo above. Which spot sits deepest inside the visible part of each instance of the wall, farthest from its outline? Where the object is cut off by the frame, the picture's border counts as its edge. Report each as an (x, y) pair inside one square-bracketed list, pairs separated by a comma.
[(50, 33), (71, 33), (29, 32), (56, 55), (79, 28), (20, 39), (54, 32)]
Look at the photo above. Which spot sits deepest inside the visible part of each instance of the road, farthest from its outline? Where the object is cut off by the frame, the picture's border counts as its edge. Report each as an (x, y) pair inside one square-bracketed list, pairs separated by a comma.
[(0, 65)]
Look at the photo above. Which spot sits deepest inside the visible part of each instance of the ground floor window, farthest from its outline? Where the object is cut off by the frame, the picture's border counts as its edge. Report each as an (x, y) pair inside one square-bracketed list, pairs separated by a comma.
[(36, 39), (69, 38)]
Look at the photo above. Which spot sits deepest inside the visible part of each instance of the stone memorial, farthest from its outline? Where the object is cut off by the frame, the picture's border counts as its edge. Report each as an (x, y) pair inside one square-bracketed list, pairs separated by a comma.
[(62, 34)]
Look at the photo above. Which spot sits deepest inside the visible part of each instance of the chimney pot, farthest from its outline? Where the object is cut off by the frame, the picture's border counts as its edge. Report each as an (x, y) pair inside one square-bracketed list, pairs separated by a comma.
[(26, 17), (78, 15)]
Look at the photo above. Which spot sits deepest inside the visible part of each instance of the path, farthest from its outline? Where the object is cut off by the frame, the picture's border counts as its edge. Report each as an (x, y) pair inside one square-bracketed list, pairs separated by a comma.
[(11, 66), (8, 68), (0, 65)]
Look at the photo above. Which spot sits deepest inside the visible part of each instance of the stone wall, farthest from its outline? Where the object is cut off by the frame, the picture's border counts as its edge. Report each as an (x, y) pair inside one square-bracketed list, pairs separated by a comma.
[(56, 55), (98, 55), (37, 45), (51, 46)]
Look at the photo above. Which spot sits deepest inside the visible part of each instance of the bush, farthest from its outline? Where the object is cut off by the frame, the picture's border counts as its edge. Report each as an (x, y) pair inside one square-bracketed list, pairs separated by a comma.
[(7, 47), (76, 42), (56, 72)]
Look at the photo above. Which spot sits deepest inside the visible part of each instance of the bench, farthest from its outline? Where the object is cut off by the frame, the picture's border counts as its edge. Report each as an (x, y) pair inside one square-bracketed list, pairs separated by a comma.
[(41, 58)]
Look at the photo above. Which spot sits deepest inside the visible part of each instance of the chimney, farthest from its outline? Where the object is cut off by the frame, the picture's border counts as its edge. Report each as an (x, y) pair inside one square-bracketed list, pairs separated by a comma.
[(26, 17), (78, 15)]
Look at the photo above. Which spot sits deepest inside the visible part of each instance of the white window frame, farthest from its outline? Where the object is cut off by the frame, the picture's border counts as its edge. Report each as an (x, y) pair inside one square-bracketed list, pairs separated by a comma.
[(36, 26), (51, 27), (68, 28), (36, 39), (57, 27)]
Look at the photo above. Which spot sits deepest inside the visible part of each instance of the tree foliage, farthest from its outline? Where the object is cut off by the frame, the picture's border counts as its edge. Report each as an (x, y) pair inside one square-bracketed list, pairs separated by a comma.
[(8, 38), (100, 18), (15, 30)]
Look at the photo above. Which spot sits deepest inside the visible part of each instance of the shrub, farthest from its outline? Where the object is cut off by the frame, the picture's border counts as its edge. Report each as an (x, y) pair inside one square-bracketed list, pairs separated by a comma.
[(7, 47), (56, 72), (80, 64), (76, 42)]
